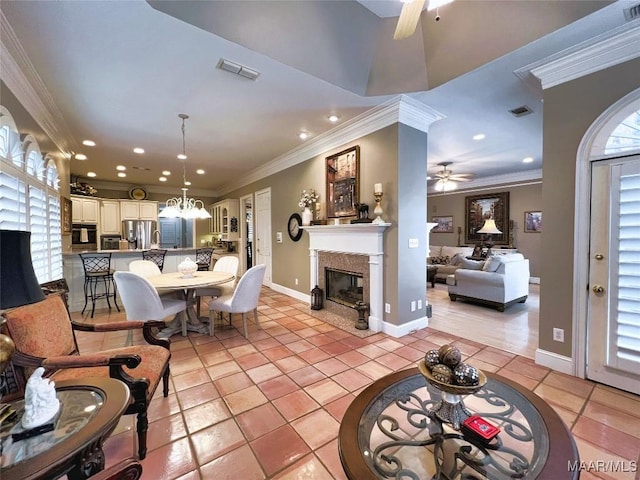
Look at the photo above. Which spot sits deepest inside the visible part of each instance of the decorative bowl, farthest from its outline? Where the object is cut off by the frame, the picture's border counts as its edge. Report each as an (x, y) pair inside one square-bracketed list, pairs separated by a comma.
[(187, 268), (449, 388)]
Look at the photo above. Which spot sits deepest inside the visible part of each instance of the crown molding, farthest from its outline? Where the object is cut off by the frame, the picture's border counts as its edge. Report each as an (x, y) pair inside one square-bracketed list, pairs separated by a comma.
[(125, 187), (399, 109), (602, 51), (23, 80), (497, 181)]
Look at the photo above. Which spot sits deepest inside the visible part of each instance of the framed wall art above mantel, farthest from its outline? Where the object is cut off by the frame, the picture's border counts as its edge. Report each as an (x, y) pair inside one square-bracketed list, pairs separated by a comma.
[(480, 207), (343, 185)]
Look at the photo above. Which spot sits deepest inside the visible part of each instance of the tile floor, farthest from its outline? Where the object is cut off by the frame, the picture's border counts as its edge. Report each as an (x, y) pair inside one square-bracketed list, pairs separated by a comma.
[(270, 408)]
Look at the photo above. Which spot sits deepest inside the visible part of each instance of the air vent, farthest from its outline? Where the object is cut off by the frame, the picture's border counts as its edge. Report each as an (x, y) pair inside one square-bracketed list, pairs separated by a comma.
[(141, 168), (238, 69), (632, 13), (521, 111)]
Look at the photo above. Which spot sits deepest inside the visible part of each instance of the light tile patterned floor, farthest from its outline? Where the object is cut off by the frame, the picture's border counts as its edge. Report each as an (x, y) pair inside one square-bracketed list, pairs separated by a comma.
[(270, 408)]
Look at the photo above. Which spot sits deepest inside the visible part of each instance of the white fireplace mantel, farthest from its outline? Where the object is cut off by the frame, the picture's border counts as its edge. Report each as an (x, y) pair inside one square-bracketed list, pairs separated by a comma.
[(359, 239)]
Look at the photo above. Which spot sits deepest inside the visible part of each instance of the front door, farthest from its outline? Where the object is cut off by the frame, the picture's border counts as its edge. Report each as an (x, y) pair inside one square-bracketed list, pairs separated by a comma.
[(263, 232), (613, 345)]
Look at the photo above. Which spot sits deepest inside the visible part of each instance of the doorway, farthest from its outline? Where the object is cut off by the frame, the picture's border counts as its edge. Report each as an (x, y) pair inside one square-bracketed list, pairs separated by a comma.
[(246, 233), (263, 232)]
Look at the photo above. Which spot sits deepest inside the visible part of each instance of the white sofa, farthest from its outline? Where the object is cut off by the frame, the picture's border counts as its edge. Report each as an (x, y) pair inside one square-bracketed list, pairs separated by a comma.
[(447, 259), (501, 281)]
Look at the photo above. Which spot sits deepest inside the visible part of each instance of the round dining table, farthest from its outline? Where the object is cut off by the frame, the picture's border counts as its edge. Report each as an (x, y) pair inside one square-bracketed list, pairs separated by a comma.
[(187, 284)]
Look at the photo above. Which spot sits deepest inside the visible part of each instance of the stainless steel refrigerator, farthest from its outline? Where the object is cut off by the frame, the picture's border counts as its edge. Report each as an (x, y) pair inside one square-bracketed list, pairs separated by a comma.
[(139, 233)]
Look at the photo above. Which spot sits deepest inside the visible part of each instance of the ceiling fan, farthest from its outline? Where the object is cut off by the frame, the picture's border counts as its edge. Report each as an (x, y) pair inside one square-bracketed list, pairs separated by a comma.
[(447, 180), (410, 15)]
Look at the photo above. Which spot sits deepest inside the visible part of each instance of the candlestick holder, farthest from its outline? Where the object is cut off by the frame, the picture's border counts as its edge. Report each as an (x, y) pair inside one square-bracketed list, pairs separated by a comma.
[(378, 210)]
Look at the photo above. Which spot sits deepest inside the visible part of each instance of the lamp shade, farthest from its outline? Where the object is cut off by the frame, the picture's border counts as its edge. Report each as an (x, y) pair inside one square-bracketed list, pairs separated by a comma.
[(18, 282), (489, 227)]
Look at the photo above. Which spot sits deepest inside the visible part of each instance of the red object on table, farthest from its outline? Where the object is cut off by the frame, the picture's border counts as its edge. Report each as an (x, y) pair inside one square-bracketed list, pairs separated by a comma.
[(479, 427)]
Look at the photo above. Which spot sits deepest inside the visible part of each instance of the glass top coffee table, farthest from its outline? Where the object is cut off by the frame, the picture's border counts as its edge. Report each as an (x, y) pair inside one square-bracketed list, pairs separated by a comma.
[(387, 432)]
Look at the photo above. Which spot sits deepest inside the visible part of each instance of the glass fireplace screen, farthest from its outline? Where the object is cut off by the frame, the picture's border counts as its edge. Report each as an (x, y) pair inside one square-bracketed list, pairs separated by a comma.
[(343, 287)]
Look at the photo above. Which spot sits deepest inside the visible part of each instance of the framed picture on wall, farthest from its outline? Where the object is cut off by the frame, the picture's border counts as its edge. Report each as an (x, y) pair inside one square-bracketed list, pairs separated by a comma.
[(66, 215), (533, 222), (444, 224), (481, 207), (342, 180)]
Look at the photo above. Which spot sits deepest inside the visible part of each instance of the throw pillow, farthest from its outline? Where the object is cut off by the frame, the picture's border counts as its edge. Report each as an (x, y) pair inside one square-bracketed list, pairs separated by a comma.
[(491, 264), (439, 260), (471, 264)]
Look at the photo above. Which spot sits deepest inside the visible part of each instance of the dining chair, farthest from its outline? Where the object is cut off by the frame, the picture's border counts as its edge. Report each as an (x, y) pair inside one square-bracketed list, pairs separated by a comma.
[(242, 300), (227, 264), (143, 302), (203, 258), (44, 336), (155, 255), (144, 268), (97, 270)]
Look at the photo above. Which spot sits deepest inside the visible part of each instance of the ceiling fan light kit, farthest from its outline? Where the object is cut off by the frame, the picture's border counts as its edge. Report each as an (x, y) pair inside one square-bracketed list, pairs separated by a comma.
[(447, 180)]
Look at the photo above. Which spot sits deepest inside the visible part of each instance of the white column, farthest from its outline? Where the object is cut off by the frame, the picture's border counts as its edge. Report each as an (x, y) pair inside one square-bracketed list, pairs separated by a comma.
[(313, 254), (376, 282)]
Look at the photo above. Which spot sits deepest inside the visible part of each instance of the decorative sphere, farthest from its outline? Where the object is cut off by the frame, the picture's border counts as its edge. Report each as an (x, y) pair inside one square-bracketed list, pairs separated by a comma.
[(442, 373), (466, 375), (449, 355), (431, 358)]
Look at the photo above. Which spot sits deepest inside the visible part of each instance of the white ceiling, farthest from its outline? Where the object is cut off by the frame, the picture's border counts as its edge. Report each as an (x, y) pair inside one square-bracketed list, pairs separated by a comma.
[(120, 72)]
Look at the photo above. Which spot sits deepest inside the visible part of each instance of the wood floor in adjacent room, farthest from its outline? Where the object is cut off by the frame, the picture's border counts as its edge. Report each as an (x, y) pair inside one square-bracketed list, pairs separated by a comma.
[(514, 330)]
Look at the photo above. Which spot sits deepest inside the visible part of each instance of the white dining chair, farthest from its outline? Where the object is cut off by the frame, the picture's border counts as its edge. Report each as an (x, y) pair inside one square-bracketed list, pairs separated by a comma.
[(142, 302), (242, 300), (145, 268), (227, 264)]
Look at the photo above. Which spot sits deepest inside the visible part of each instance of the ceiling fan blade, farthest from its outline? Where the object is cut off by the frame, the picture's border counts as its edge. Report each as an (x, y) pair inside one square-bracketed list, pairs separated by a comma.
[(408, 20), (458, 178)]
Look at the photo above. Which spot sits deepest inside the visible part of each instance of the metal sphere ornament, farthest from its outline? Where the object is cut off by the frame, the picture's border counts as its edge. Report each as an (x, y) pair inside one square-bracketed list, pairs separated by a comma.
[(466, 375), (431, 358), (442, 373), (449, 355)]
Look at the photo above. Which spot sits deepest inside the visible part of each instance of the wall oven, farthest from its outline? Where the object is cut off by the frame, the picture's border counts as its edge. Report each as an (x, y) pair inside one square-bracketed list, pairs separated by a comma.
[(84, 237)]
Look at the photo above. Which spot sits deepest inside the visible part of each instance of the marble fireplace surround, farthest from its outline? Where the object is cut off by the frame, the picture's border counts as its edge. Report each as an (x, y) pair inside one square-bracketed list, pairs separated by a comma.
[(356, 248)]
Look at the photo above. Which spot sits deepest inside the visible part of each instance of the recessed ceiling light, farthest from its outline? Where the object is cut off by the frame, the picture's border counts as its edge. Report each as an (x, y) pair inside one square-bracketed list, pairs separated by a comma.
[(479, 136), (91, 174), (163, 179), (138, 150), (122, 174), (187, 183), (166, 172), (200, 171), (182, 156), (80, 156), (333, 118), (527, 160), (122, 168), (89, 143), (303, 135)]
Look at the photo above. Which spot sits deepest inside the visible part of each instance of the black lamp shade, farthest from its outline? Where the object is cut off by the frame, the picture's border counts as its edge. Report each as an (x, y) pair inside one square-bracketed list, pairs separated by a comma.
[(18, 282)]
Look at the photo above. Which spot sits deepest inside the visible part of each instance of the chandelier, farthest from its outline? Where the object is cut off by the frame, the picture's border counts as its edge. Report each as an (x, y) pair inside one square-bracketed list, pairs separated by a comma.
[(184, 207)]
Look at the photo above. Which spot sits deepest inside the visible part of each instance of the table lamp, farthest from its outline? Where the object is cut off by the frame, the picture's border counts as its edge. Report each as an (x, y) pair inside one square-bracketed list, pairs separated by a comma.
[(489, 228), (18, 283)]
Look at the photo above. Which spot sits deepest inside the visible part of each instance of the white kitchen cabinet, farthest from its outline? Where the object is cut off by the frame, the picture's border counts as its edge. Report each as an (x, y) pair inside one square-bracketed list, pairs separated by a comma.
[(110, 217), (138, 210), (84, 210), (224, 221)]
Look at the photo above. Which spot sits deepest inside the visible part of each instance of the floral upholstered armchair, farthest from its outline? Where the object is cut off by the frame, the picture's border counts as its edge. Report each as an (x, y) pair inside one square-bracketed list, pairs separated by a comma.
[(44, 336)]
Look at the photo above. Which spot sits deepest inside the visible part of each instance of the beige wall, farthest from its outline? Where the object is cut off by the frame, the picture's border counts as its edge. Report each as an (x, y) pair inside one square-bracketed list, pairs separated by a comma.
[(569, 110), (522, 199)]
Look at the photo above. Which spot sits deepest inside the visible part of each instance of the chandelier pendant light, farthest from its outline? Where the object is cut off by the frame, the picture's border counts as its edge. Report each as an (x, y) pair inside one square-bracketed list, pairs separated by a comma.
[(184, 207)]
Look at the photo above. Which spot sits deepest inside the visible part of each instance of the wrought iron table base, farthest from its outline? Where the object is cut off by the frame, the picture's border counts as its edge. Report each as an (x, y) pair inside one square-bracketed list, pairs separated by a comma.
[(450, 409)]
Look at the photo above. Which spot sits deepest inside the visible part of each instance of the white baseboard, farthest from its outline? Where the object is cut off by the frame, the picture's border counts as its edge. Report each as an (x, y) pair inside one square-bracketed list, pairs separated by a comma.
[(303, 297), (535, 280), (551, 360), (398, 331)]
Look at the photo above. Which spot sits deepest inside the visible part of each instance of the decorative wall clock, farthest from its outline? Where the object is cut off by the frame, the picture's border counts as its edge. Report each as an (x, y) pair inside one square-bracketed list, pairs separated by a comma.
[(293, 227)]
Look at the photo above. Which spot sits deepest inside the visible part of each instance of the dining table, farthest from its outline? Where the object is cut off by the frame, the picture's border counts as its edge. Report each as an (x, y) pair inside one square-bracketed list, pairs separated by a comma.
[(187, 285)]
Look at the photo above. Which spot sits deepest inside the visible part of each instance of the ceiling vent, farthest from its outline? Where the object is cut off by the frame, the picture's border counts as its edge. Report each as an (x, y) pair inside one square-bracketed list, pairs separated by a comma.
[(632, 13), (237, 69), (521, 111)]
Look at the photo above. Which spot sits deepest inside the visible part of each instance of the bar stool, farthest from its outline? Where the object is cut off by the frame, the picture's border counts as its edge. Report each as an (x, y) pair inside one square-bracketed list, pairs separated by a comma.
[(156, 256), (97, 268), (203, 258)]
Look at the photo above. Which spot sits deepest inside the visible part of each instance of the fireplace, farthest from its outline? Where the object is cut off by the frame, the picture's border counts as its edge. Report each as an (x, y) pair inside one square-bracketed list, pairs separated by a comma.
[(355, 249), (345, 288)]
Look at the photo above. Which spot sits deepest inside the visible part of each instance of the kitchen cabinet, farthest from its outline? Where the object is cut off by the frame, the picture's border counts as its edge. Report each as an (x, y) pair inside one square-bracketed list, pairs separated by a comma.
[(138, 210), (84, 210), (224, 223), (110, 217)]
